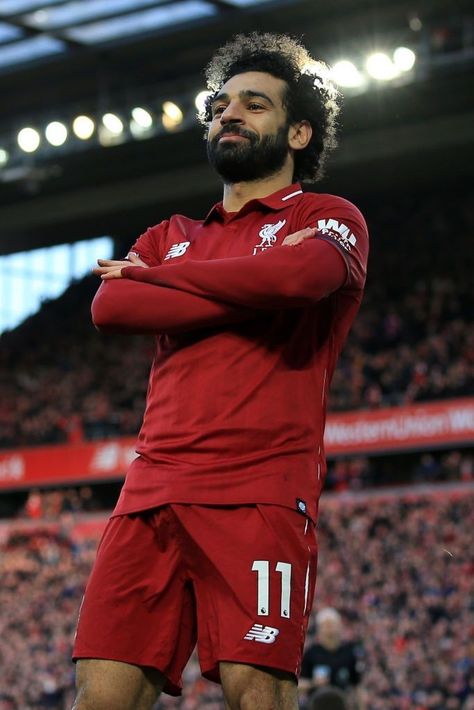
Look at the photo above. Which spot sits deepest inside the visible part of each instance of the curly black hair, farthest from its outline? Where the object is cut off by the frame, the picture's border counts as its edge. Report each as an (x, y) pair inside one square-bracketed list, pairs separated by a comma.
[(310, 94)]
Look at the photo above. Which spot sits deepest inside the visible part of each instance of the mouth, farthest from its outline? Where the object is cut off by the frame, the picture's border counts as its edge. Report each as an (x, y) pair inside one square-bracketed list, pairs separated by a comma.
[(232, 137)]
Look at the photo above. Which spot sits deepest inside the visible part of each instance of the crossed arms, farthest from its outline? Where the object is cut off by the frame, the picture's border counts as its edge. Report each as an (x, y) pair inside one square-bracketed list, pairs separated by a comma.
[(175, 298)]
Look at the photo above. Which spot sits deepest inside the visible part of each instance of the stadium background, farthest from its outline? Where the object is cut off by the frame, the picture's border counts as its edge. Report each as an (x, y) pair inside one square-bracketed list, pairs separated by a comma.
[(396, 521)]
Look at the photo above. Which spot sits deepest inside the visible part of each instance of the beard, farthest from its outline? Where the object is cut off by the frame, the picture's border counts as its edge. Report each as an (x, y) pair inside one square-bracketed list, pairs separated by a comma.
[(252, 159)]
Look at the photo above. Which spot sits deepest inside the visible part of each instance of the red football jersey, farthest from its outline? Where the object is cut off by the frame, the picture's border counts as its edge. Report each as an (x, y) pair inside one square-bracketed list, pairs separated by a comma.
[(249, 334)]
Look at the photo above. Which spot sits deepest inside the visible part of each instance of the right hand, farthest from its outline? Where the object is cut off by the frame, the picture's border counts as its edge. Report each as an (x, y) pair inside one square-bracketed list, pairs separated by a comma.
[(112, 268)]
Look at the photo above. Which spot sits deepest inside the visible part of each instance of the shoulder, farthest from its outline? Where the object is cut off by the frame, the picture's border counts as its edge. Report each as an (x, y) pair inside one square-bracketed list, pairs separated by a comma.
[(354, 648), (327, 204), (180, 221)]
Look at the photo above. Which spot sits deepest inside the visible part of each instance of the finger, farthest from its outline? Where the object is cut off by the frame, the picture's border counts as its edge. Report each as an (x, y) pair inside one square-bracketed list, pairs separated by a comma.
[(135, 259), (112, 262), (103, 269), (100, 270), (299, 236), (115, 274)]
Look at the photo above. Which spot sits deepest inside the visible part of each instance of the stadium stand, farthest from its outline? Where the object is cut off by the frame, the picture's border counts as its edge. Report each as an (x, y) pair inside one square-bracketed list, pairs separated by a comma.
[(395, 528), (398, 566), (411, 342)]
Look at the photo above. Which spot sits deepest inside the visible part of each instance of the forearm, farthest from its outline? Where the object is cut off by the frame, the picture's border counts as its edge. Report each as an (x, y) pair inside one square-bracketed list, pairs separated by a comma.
[(125, 306), (282, 277)]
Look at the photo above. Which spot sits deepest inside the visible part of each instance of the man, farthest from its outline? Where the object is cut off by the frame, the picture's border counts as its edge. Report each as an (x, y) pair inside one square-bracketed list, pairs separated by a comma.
[(213, 537), (332, 662)]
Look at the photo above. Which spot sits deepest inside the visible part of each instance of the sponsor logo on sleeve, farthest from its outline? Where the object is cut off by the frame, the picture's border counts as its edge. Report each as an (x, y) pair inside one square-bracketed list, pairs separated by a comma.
[(337, 231)]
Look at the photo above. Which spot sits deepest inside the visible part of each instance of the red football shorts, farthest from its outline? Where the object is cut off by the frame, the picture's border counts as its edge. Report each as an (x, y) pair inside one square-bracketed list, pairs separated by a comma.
[(239, 580)]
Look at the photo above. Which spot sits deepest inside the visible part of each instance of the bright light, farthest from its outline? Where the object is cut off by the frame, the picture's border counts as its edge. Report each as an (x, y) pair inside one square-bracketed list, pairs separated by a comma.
[(83, 127), (345, 73), (28, 140), (404, 58), (142, 117), (172, 115), (56, 133), (200, 100), (112, 123), (415, 23), (381, 67), (3, 157)]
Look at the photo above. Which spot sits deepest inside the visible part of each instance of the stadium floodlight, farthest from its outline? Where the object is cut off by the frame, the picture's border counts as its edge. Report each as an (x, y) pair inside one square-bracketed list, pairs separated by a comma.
[(28, 139), (141, 123), (112, 123), (404, 58), (380, 67), (142, 117), (345, 73), (83, 127), (172, 115), (56, 133), (415, 23), (200, 100), (4, 156)]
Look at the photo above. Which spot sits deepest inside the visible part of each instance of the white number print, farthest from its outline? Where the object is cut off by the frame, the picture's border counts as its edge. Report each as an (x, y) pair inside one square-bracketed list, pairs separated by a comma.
[(262, 568)]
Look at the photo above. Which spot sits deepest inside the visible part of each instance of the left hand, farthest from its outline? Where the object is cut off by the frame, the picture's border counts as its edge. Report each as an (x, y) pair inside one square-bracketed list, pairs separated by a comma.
[(112, 268), (300, 236)]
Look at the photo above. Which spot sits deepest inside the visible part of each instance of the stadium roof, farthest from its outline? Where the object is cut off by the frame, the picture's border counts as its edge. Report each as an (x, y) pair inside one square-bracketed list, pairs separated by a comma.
[(32, 29), (62, 58)]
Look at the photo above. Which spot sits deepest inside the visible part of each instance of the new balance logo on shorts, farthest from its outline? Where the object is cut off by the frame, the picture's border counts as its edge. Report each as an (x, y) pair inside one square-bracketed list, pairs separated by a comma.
[(177, 250), (262, 634)]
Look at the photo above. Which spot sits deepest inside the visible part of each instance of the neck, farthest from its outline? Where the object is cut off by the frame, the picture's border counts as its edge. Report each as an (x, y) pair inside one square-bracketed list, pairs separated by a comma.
[(330, 643), (238, 193)]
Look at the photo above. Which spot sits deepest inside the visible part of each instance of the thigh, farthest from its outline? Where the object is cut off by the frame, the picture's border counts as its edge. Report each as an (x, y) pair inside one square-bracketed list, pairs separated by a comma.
[(249, 688), (111, 685), (254, 572), (138, 606)]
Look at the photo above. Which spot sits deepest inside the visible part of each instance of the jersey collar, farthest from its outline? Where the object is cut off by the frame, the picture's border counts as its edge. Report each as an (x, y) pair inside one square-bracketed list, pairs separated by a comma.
[(276, 201)]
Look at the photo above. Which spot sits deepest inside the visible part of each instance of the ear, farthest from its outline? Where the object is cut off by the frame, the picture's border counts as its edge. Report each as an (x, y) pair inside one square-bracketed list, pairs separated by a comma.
[(299, 135)]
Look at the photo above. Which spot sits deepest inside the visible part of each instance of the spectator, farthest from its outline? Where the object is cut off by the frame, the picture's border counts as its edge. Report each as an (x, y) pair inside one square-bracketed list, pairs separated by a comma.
[(331, 661)]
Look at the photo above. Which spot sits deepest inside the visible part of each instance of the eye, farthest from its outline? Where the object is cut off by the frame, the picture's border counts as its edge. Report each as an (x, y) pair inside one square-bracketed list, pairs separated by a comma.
[(255, 107), (217, 110)]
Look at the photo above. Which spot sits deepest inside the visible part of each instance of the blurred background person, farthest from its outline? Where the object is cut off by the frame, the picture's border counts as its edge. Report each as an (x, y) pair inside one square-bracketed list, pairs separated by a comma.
[(328, 699), (333, 662)]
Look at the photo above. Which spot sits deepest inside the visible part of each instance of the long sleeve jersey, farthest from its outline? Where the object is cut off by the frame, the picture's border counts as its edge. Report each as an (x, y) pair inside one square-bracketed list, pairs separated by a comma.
[(248, 332)]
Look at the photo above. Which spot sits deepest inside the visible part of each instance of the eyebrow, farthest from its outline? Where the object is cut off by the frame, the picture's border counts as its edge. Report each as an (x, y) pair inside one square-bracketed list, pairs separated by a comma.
[(246, 94)]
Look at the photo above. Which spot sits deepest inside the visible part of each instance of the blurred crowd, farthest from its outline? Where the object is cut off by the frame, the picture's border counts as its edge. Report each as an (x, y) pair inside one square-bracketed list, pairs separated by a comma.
[(350, 474), (412, 341), (399, 570), (354, 473)]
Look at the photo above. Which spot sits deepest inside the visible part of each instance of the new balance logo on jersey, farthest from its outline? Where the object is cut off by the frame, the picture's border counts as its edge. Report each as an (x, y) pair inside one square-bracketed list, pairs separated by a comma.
[(338, 231), (262, 634), (177, 250), (268, 235)]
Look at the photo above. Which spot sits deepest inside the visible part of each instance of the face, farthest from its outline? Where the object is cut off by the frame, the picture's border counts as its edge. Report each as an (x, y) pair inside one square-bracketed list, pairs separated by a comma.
[(248, 135), (330, 630)]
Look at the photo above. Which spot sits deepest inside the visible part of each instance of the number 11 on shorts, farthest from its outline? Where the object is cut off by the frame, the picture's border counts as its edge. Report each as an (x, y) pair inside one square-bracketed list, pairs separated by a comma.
[(262, 568)]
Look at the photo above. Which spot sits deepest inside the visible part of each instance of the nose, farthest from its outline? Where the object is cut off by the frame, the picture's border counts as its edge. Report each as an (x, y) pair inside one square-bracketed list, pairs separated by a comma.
[(232, 113)]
